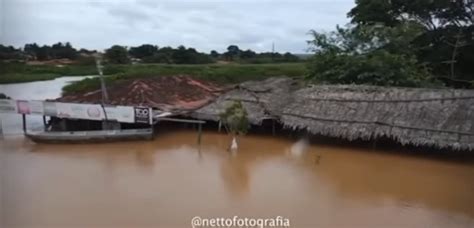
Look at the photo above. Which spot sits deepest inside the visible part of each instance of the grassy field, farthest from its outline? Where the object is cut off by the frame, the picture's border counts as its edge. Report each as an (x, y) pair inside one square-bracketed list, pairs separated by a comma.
[(224, 74), (227, 73), (219, 73), (18, 72)]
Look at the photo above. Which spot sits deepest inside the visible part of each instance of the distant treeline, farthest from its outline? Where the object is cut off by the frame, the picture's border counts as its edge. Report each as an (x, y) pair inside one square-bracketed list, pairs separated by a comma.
[(42, 53), (146, 53)]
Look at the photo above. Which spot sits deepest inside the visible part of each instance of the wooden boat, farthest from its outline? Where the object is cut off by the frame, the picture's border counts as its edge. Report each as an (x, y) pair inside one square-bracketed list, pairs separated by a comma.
[(89, 136)]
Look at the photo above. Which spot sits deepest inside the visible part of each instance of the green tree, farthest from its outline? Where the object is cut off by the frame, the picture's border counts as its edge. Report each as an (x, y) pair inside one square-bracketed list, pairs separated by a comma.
[(143, 51), (214, 54), (10, 52), (182, 55), (374, 55), (63, 51), (288, 57), (86, 52), (248, 54), (447, 42), (43, 53), (31, 50), (232, 52), (432, 14), (235, 120), (164, 55), (117, 54)]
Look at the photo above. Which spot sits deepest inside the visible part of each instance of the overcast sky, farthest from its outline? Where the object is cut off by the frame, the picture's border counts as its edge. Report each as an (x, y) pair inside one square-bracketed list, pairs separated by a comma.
[(203, 24)]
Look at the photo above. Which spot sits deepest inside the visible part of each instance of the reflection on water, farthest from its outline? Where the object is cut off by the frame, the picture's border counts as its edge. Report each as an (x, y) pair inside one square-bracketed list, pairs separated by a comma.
[(40, 90), (298, 148), (167, 181)]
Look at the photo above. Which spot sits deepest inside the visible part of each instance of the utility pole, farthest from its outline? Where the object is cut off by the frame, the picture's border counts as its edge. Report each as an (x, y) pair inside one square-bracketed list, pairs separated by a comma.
[(103, 88), (105, 97), (273, 50), (458, 43)]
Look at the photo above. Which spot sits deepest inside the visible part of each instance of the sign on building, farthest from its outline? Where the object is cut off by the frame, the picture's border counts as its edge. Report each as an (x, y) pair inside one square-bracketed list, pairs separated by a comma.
[(143, 115), (124, 114), (8, 106)]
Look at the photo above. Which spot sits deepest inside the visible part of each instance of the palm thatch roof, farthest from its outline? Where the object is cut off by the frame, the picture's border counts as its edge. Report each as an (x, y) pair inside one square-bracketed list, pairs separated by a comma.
[(262, 100), (443, 118)]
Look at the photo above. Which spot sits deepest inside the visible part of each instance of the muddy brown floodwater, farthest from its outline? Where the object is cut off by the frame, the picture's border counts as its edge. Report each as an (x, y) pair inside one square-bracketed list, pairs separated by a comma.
[(168, 181)]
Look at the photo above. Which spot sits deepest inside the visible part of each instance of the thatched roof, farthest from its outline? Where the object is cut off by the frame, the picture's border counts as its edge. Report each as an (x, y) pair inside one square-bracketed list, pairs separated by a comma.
[(167, 93), (443, 118), (262, 100)]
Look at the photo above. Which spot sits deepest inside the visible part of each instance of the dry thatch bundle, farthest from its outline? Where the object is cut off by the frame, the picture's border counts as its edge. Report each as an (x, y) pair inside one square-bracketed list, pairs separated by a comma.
[(443, 118), (262, 100)]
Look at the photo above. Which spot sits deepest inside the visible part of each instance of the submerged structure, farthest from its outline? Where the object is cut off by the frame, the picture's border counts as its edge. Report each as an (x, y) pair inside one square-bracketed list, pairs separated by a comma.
[(263, 100), (130, 110), (442, 118)]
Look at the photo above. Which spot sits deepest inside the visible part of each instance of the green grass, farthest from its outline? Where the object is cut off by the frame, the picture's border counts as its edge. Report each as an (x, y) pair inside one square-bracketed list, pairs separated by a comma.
[(18, 78), (19, 72), (223, 74), (210, 70), (219, 73)]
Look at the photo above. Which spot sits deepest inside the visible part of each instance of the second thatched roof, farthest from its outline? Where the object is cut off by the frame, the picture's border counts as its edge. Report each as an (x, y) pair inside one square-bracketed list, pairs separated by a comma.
[(262, 100), (430, 117)]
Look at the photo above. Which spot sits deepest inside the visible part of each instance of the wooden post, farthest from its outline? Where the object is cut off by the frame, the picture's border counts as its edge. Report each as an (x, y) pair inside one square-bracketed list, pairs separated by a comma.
[(1, 129), (24, 123), (199, 133), (374, 144), (152, 129), (199, 139), (45, 124), (273, 127)]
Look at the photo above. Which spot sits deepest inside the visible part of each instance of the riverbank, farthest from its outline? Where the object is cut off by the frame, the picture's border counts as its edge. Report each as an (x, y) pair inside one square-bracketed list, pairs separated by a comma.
[(225, 73), (20, 72)]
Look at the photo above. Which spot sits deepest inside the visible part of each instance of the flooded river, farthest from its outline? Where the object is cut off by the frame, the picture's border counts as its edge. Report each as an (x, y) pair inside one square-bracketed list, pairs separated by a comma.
[(168, 181)]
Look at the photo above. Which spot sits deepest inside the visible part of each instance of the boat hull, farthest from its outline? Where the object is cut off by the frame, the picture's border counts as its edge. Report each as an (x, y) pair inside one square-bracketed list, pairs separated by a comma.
[(90, 136)]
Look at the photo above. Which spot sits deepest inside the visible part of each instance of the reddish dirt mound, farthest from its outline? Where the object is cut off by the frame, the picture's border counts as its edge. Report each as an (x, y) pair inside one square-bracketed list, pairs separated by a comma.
[(167, 93)]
